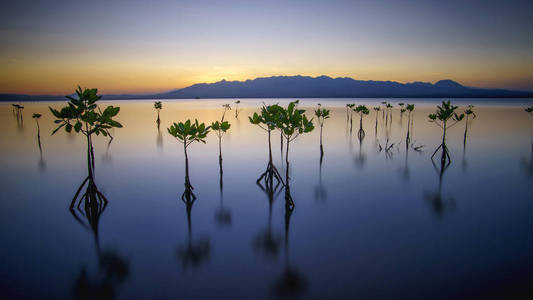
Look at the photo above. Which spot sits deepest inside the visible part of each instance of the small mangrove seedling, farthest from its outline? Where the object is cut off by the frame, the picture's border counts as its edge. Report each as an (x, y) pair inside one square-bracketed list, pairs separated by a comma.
[(410, 108), (377, 109), (402, 110), (18, 113), (444, 114), (237, 108), (158, 106), (292, 122), (187, 133), (220, 129), (389, 113), (469, 111), (529, 109), (361, 110), (321, 114), (84, 116), (37, 117), (350, 107), (226, 108), (267, 120)]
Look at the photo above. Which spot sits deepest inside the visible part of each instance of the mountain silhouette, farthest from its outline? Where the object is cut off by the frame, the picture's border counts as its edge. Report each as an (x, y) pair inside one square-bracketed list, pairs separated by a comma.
[(313, 87)]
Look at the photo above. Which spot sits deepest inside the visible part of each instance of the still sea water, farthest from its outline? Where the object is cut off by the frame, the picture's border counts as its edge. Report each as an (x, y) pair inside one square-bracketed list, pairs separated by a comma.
[(367, 224)]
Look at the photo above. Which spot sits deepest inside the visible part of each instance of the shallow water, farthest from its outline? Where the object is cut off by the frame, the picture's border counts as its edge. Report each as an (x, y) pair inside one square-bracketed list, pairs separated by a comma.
[(366, 224)]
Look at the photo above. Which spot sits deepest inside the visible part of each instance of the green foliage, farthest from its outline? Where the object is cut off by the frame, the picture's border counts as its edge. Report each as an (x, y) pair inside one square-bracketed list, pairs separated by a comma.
[(293, 122), (470, 111), (158, 105), (401, 104), (410, 107), (350, 106), (377, 108), (362, 110), (321, 114), (388, 105), (83, 114), (189, 132), (268, 117), (36, 116), (220, 127), (445, 112), (238, 101), (529, 109)]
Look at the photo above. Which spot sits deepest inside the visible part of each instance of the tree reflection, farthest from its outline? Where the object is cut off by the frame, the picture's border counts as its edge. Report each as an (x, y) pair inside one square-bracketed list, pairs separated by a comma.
[(195, 252), (267, 241), (438, 203), (292, 282), (113, 270), (320, 190)]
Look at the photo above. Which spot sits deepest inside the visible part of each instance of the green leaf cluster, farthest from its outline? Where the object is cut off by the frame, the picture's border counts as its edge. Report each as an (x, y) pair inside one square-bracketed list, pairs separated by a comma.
[(362, 110), (83, 114), (529, 109), (445, 112), (36, 116), (189, 132), (158, 105), (292, 122), (410, 107)]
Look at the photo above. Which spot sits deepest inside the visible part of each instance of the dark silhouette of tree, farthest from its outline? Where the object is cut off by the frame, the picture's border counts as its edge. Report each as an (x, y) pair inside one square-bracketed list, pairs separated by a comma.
[(441, 117), (158, 106), (321, 114), (469, 111), (266, 120), (88, 119), (187, 133)]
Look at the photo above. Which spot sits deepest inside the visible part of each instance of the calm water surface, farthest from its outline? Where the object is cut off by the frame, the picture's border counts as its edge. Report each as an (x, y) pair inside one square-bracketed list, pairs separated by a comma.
[(366, 224)]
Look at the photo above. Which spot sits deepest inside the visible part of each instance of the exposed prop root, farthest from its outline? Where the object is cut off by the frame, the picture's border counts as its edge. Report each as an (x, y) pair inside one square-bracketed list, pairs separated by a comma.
[(270, 174)]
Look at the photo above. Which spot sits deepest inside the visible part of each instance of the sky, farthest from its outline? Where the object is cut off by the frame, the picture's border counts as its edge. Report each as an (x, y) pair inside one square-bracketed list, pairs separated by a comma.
[(49, 47)]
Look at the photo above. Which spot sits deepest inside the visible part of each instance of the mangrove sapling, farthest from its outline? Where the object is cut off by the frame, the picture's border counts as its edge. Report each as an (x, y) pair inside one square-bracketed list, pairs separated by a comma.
[(36, 117), (402, 110), (469, 111), (158, 106), (321, 114), (220, 129), (444, 114), (187, 133), (389, 113), (410, 108), (267, 121), (84, 116), (361, 110), (377, 109), (384, 103), (351, 106), (237, 108), (292, 122)]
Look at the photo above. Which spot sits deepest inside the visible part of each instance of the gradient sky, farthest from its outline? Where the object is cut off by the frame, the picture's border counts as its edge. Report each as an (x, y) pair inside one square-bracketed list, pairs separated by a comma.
[(148, 46)]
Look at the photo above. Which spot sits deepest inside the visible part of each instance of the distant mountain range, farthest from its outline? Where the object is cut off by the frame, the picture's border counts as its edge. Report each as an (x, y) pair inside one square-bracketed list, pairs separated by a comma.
[(310, 87)]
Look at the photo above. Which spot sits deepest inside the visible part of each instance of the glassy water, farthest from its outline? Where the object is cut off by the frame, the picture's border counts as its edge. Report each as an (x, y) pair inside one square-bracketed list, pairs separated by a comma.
[(367, 224)]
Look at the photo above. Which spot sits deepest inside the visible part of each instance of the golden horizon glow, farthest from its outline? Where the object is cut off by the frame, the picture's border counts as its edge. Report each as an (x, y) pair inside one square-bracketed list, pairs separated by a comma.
[(50, 49)]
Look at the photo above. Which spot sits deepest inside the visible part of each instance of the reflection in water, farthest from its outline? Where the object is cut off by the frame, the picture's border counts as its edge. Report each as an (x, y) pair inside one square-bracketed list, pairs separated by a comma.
[(360, 159), (528, 164), (266, 241), (106, 157), (222, 215), (195, 252), (435, 199), (320, 189), (159, 139), (112, 269), (292, 282)]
